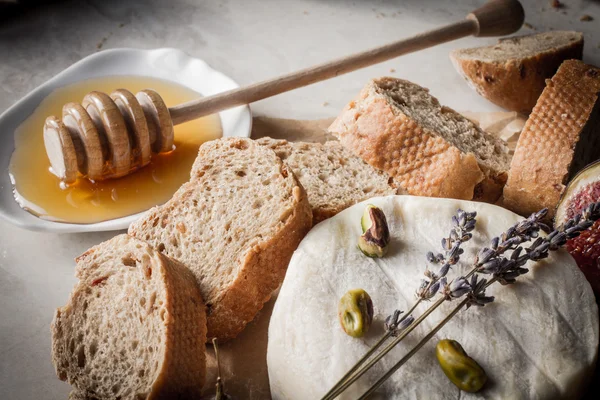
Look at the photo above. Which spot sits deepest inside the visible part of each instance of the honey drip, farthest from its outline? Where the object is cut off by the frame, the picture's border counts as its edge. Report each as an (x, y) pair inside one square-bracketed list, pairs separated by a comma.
[(40, 192)]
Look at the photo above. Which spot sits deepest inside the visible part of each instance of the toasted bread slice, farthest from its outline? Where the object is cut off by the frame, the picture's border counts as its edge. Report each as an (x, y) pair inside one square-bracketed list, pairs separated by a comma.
[(134, 326), (513, 73), (561, 136), (430, 150), (235, 225), (334, 178)]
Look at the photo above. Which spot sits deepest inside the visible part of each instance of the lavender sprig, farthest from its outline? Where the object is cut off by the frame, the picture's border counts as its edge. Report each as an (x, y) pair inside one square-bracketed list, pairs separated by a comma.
[(463, 224), (540, 248)]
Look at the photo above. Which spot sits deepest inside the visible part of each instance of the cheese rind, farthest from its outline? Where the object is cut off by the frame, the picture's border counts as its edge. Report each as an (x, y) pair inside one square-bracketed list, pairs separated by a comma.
[(539, 339)]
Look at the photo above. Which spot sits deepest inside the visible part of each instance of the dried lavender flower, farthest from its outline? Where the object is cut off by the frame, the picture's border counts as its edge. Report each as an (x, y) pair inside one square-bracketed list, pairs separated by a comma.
[(462, 224), (495, 242), (485, 255), (394, 324), (444, 270), (456, 288), (477, 295), (431, 257)]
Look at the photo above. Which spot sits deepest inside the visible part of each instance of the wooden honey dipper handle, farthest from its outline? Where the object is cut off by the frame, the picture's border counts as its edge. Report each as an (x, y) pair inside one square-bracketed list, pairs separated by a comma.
[(495, 18)]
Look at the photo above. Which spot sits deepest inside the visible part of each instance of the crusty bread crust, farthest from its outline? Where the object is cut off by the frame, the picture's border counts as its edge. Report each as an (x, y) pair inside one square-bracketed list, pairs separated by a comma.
[(184, 369), (260, 265), (181, 366), (422, 163), (559, 138), (515, 84)]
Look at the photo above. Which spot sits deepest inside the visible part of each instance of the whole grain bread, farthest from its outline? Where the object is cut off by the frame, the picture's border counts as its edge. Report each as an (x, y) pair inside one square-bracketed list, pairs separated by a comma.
[(235, 225), (429, 149), (333, 177), (133, 328), (561, 136), (513, 73)]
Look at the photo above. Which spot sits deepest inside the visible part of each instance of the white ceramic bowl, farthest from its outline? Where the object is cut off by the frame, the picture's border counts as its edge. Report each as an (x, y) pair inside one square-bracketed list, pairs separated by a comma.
[(168, 64)]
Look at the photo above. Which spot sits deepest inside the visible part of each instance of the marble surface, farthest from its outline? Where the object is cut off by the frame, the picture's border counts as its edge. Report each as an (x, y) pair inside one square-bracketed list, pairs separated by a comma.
[(248, 40)]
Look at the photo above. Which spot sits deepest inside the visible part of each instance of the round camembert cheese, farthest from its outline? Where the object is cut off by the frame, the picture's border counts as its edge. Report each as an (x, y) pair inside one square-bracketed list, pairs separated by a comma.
[(538, 339)]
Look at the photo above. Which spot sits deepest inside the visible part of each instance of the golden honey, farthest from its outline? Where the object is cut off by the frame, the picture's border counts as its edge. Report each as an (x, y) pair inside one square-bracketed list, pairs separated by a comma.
[(40, 192)]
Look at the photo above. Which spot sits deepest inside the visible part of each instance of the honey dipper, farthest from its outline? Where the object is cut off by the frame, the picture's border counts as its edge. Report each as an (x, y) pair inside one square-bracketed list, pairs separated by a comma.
[(111, 136)]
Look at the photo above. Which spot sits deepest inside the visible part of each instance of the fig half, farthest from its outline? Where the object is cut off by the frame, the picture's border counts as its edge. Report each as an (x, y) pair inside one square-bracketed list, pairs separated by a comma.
[(583, 189)]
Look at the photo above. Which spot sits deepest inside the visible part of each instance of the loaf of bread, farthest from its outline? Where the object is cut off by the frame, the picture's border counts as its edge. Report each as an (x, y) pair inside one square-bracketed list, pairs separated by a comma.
[(513, 73), (333, 177), (133, 328), (430, 150), (561, 136), (235, 225)]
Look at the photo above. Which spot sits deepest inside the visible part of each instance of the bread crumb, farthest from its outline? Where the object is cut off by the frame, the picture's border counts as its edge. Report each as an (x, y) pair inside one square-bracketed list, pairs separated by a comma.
[(325, 104), (101, 43), (556, 4), (392, 70), (306, 13), (529, 26), (586, 18)]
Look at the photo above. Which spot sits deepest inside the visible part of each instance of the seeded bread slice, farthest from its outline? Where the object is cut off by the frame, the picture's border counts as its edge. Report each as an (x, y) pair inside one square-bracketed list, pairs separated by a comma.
[(133, 328), (430, 150), (561, 136), (235, 225), (333, 177), (513, 73)]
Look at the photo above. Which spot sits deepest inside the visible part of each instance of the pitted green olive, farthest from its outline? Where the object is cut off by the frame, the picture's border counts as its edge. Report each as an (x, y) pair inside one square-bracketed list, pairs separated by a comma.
[(355, 312), (461, 369), (375, 240)]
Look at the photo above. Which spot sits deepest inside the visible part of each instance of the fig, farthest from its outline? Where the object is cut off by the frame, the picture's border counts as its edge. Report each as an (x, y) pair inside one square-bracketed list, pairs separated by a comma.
[(583, 189)]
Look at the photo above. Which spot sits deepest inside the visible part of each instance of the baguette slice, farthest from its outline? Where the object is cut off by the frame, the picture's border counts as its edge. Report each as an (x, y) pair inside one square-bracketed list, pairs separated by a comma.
[(561, 136), (333, 177), (512, 73), (235, 225), (430, 150), (133, 328)]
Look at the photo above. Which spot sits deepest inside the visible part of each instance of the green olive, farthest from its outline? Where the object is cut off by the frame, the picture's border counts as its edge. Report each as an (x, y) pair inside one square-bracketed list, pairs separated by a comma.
[(355, 312), (375, 240), (461, 369)]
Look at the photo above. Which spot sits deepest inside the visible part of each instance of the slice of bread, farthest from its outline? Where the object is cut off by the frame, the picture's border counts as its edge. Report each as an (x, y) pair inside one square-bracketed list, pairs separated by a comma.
[(430, 150), (561, 136), (235, 225), (334, 178), (133, 328), (512, 73)]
